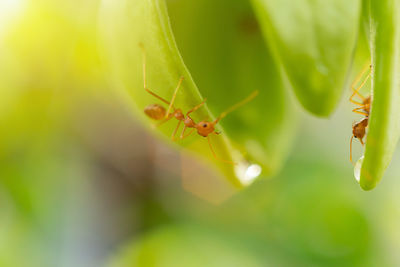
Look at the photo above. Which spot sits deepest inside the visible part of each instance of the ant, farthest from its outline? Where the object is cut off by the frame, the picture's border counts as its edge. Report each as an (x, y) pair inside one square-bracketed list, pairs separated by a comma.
[(158, 112), (359, 128), (204, 128)]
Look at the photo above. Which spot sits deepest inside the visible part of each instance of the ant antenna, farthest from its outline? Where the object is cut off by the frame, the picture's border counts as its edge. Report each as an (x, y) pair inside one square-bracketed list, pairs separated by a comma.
[(237, 105)]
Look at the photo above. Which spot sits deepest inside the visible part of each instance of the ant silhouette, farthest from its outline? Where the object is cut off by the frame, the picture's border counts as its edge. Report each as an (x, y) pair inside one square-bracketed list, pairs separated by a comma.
[(204, 128), (359, 128)]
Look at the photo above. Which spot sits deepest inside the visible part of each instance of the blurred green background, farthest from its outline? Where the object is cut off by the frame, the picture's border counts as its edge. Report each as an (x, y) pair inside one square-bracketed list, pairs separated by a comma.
[(82, 183)]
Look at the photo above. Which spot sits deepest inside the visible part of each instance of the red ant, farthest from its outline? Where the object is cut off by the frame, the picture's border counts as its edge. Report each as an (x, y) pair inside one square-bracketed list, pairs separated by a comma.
[(204, 128), (359, 128)]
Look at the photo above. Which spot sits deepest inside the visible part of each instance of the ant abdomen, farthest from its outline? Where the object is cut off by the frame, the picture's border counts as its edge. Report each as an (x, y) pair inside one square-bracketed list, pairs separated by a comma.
[(155, 111)]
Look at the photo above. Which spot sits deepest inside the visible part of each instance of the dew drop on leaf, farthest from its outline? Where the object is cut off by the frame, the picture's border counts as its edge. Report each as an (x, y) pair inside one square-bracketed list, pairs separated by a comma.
[(357, 169), (247, 173)]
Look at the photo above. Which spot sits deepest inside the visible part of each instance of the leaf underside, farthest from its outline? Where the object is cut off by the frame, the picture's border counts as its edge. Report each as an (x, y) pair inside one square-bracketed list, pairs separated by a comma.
[(259, 132), (314, 42), (384, 119)]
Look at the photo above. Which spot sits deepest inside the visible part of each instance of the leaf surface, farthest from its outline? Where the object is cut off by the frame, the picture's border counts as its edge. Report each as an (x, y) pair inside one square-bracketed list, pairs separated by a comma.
[(384, 119), (259, 132), (314, 42)]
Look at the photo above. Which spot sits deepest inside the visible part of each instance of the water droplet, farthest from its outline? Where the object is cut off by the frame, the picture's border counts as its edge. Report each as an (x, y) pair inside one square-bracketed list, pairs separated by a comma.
[(247, 173), (357, 169)]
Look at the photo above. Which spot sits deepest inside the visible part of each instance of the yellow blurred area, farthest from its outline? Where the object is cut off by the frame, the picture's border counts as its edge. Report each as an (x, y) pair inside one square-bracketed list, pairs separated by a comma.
[(49, 48), (49, 59)]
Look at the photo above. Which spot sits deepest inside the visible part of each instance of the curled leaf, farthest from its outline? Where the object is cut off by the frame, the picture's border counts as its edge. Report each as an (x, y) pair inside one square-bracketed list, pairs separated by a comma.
[(384, 119), (314, 42), (127, 25), (229, 59)]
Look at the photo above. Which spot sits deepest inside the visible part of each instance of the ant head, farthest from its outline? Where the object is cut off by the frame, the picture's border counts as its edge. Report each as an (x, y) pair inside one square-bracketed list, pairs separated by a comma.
[(204, 128)]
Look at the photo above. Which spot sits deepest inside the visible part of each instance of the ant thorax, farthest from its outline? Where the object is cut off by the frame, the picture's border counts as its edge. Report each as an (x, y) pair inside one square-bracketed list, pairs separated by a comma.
[(189, 122)]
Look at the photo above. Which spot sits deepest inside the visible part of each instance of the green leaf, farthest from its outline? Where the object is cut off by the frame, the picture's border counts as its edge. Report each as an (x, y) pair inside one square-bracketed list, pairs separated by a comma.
[(384, 119), (260, 131), (126, 24), (314, 42), (227, 56)]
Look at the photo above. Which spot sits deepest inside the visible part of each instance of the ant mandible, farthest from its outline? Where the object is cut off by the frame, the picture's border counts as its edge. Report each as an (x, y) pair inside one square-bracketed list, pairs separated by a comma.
[(359, 128), (204, 128)]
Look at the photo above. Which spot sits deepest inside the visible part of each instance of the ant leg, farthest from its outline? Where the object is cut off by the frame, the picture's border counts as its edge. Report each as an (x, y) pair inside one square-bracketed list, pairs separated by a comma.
[(174, 96), (187, 114), (157, 96), (357, 110), (361, 141), (176, 129), (237, 105), (358, 77), (351, 150), (184, 136), (356, 90), (196, 107), (355, 102), (144, 77), (183, 132), (215, 155), (162, 122)]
